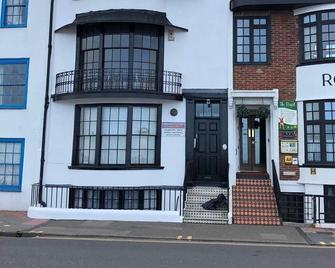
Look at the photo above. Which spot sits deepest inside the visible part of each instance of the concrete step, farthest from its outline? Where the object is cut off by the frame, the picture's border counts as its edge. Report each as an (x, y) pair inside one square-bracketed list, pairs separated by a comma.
[(257, 220), (205, 221)]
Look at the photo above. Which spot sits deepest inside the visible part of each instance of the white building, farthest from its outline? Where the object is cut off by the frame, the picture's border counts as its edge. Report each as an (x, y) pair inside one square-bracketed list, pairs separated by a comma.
[(116, 131), (23, 67)]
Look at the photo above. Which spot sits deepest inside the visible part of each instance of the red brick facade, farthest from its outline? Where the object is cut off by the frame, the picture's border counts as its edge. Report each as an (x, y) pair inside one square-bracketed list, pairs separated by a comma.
[(280, 72)]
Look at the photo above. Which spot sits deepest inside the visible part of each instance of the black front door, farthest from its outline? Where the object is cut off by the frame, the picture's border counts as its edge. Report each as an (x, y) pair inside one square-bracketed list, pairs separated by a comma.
[(329, 204), (208, 151), (252, 144)]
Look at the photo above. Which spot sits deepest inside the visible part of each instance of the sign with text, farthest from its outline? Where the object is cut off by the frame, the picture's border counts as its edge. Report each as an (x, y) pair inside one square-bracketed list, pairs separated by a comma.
[(289, 147), (173, 129), (288, 119)]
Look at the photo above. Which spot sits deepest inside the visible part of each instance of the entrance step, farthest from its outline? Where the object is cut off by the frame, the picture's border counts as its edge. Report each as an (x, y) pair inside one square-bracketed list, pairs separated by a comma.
[(253, 175), (253, 182), (254, 202), (256, 220), (195, 213)]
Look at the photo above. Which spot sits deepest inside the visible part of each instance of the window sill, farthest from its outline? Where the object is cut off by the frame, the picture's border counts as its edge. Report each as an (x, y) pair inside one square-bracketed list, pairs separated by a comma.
[(316, 62), (152, 167), (317, 166), (10, 189)]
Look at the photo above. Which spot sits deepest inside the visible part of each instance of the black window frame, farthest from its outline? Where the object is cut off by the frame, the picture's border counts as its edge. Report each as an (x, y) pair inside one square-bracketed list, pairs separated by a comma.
[(128, 165), (102, 29), (318, 23), (321, 122), (252, 27), (101, 198)]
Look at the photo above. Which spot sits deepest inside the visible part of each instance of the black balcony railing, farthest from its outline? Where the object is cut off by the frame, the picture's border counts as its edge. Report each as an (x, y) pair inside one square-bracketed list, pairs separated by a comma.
[(118, 80), (164, 198)]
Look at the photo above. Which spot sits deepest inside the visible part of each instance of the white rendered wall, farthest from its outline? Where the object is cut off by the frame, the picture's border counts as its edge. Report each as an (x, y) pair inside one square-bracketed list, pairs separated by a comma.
[(202, 55), (30, 42), (310, 86)]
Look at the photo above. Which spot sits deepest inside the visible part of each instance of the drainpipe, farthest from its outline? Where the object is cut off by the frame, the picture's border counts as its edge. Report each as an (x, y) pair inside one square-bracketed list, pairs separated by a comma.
[(46, 104)]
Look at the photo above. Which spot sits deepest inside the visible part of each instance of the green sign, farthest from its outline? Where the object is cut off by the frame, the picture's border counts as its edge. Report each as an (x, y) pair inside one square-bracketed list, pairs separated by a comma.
[(288, 119)]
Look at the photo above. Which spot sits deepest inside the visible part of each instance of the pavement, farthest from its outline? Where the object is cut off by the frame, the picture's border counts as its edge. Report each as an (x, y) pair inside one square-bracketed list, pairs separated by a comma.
[(12, 223), (18, 224)]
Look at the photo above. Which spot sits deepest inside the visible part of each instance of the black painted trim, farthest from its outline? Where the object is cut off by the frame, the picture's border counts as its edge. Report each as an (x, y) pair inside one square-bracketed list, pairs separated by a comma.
[(128, 165), (148, 167), (237, 5), (268, 40), (117, 94), (125, 16), (318, 24)]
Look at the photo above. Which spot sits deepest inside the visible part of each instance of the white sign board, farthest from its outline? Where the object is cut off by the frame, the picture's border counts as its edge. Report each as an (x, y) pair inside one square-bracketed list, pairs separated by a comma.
[(289, 147), (173, 129)]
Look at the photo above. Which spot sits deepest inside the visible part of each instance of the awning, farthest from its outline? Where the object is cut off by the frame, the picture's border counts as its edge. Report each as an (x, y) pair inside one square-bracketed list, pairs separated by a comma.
[(237, 5), (123, 15)]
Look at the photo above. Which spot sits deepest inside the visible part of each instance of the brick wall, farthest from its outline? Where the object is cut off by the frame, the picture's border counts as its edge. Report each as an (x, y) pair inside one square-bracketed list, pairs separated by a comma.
[(280, 72)]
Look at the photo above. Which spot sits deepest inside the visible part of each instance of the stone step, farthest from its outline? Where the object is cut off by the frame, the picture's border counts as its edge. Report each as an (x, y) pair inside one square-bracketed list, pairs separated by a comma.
[(255, 212), (254, 196), (257, 220), (206, 214), (198, 198), (253, 182), (253, 189), (212, 191), (205, 221), (255, 204), (195, 206)]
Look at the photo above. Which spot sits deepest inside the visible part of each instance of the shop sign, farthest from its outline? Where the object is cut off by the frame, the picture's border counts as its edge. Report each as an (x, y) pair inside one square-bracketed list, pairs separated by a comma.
[(173, 129), (288, 119), (328, 80), (289, 147)]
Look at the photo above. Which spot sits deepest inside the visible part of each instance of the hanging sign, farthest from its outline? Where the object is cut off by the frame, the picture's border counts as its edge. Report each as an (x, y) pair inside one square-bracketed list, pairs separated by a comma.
[(288, 119)]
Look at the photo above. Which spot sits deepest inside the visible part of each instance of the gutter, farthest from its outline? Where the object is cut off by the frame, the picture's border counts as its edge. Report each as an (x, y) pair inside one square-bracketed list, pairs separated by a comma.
[(46, 103)]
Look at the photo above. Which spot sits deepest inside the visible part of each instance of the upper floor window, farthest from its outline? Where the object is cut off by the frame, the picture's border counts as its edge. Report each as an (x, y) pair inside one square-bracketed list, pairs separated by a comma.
[(120, 56), (318, 33), (13, 83), (14, 13), (11, 163), (117, 135), (251, 40), (320, 132)]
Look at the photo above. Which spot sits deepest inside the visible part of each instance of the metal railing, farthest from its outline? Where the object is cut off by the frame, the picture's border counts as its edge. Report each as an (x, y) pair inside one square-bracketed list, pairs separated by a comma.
[(118, 80), (301, 207), (167, 198)]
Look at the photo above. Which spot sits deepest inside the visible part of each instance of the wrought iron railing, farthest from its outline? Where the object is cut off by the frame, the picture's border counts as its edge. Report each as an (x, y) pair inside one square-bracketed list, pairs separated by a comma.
[(118, 80), (165, 198), (301, 207), (276, 185)]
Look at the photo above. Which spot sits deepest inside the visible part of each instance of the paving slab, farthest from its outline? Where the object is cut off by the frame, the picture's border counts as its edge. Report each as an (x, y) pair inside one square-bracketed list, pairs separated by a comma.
[(173, 231), (320, 236), (15, 222)]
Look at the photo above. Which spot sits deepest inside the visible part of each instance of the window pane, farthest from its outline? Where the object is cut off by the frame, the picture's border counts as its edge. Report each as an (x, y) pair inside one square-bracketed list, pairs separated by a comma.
[(15, 12), (10, 163), (13, 83), (87, 135), (144, 132)]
